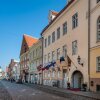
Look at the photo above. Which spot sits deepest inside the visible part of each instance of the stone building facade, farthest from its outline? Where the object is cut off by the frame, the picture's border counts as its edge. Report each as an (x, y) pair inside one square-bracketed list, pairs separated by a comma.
[(66, 44), (35, 60), (27, 42)]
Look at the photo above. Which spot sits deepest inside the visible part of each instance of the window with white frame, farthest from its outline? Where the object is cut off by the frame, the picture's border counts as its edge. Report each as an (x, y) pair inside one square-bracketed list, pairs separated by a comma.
[(33, 54), (64, 28), (64, 51), (98, 29), (98, 1), (58, 33), (53, 37), (53, 74), (40, 51), (48, 73), (30, 56), (36, 63), (45, 58), (25, 58), (36, 52), (48, 57), (58, 74), (32, 66), (58, 53), (75, 20), (49, 40), (53, 55), (74, 47), (98, 63), (45, 74), (45, 41)]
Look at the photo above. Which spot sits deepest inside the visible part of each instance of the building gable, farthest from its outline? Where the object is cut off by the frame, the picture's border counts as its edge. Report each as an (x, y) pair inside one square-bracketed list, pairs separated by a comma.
[(27, 42), (24, 47)]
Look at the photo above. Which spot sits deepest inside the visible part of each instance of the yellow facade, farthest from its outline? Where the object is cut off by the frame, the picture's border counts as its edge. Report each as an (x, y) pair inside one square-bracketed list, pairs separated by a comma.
[(94, 53), (94, 73), (94, 46)]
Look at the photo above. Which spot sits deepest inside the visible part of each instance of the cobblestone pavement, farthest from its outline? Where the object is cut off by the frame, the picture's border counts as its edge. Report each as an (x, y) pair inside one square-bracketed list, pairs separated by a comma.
[(4, 95), (73, 95), (22, 92)]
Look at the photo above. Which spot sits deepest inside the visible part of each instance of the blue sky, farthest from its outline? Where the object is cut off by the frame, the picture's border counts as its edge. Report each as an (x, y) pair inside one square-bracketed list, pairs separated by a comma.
[(22, 16)]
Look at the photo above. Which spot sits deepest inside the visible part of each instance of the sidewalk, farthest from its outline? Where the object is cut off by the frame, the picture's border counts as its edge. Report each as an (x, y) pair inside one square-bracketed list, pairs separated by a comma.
[(67, 93)]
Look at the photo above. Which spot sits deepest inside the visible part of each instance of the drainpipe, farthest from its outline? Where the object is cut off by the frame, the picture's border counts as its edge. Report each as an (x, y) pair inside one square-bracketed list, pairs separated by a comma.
[(89, 16), (42, 55)]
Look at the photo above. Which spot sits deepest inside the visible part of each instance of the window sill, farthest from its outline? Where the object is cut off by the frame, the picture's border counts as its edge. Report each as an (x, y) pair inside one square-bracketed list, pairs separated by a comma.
[(74, 54), (73, 28), (64, 34), (58, 38), (98, 71), (98, 41)]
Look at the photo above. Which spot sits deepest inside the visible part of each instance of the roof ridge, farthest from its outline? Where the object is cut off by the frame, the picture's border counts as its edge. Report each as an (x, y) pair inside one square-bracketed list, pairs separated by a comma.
[(30, 36), (54, 11)]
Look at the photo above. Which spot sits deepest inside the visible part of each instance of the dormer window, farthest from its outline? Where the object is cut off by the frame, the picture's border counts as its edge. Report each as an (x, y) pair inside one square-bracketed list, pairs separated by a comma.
[(52, 15), (98, 1)]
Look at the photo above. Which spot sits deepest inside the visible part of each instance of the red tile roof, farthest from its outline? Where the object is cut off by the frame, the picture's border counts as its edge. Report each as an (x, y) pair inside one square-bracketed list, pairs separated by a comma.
[(30, 40), (54, 12)]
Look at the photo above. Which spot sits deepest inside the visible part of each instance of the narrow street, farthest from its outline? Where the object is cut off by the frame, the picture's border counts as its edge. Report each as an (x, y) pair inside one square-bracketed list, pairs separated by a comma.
[(22, 92)]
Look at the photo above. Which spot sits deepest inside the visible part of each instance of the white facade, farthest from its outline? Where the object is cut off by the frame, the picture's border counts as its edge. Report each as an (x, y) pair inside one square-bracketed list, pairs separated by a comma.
[(16, 71), (0, 72), (35, 60)]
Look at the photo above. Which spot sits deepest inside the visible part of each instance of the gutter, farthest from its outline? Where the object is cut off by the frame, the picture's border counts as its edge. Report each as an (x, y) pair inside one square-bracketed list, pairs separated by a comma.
[(42, 56)]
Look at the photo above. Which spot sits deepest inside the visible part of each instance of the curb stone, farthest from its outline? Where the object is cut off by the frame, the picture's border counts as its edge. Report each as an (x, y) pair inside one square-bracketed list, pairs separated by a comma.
[(56, 91)]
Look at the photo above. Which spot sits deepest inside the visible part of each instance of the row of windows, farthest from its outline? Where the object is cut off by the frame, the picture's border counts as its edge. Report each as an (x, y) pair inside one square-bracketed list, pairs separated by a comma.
[(74, 25), (55, 54), (36, 53), (58, 52), (52, 74), (36, 63), (74, 43)]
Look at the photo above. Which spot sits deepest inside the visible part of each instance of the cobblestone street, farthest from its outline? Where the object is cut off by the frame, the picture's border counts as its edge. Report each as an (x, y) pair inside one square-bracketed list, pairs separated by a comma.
[(4, 95), (22, 92)]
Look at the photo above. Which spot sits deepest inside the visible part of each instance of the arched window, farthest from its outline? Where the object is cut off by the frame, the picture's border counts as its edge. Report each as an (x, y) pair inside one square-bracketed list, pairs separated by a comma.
[(98, 29)]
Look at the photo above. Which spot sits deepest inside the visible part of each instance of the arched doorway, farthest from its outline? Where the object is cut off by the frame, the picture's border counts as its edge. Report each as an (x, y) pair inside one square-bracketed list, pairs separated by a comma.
[(77, 79)]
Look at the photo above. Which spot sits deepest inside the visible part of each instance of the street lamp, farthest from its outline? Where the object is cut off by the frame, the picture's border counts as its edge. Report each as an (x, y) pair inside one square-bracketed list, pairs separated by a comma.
[(79, 60)]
